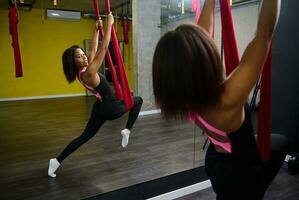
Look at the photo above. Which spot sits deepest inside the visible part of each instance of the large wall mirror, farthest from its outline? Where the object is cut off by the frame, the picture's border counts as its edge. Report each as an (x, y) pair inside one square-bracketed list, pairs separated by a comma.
[(41, 113)]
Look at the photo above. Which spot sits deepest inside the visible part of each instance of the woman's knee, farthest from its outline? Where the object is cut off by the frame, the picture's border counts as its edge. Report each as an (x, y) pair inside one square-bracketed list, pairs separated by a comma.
[(138, 100)]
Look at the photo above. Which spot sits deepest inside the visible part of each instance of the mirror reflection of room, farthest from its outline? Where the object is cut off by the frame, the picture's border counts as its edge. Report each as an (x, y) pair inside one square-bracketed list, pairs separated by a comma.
[(52, 123), (92, 108)]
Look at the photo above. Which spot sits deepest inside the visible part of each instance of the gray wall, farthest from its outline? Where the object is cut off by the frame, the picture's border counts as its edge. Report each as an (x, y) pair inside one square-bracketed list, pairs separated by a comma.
[(146, 33)]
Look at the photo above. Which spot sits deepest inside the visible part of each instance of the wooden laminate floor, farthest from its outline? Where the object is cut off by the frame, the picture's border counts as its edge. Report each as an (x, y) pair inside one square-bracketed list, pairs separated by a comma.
[(31, 132)]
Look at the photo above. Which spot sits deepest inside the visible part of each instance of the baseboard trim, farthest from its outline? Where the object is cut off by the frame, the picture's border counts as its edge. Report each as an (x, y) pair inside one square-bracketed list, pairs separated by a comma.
[(142, 113), (42, 97), (149, 112)]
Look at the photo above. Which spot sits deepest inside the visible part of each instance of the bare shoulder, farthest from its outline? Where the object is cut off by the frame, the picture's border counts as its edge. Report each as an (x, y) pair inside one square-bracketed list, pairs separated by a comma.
[(91, 79)]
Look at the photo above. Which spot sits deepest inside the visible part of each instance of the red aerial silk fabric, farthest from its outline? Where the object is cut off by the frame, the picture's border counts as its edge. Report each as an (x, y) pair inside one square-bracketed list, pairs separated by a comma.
[(117, 87), (13, 30), (232, 61), (124, 25), (122, 90), (123, 77), (231, 55), (128, 25)]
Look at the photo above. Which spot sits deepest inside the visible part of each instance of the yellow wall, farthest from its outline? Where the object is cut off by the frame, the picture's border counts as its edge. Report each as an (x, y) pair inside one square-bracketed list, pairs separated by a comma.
[(42, 43)]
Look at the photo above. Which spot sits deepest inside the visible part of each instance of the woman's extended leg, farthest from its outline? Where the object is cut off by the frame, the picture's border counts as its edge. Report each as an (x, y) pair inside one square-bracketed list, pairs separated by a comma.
[(90, 130)]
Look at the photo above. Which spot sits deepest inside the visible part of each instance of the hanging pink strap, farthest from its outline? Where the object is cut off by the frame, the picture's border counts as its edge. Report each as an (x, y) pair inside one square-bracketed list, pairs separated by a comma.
[(224, 145), (96, 94)]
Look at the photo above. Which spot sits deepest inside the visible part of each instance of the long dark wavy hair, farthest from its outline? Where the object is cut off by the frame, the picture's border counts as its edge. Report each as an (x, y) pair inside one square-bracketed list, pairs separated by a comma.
[(68, 61), (187, 71)]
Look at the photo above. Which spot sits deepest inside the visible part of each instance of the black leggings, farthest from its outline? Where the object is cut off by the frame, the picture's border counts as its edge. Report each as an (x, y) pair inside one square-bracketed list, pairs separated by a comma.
[(108, 109), (232, 179)]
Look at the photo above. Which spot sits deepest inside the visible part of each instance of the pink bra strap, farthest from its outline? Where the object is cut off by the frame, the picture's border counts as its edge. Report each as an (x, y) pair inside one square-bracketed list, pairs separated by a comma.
[(209, 127), (97, 95), (225, 145)]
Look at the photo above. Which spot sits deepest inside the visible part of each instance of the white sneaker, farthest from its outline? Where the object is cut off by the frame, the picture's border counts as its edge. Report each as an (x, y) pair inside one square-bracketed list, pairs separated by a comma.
[(125, 140), (53, 165)]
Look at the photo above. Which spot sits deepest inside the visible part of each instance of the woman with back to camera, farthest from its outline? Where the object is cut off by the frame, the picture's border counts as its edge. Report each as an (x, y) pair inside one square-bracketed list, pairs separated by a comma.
[(189, 82), (106, 107)]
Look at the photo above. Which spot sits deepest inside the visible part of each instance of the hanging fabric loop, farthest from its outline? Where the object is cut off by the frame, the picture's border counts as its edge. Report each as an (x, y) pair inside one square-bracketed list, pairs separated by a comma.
[(117, 88), (13, 30), (124, 90), (232, 61)]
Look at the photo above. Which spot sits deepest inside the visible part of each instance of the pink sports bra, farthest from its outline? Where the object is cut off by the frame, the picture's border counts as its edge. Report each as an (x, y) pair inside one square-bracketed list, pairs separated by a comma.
[(98, 96), (225, 145)]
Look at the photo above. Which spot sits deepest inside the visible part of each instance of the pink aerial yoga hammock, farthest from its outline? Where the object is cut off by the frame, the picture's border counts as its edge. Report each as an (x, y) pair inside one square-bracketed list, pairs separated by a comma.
[(122, 90), (232, 61)]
